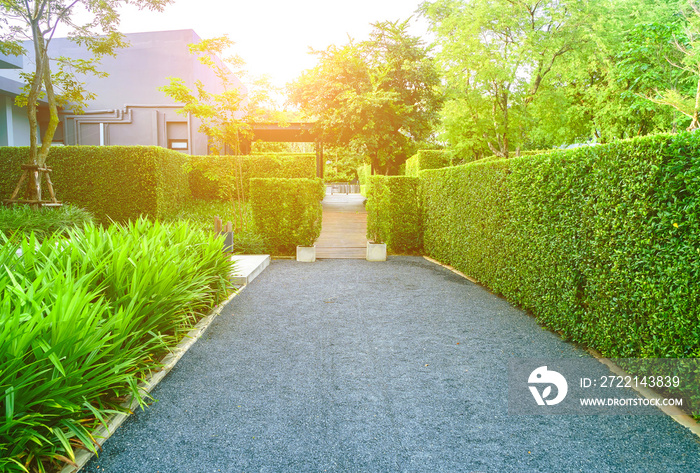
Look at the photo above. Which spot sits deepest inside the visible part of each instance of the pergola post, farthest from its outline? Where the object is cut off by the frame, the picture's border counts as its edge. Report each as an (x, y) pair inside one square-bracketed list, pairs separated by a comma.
[(319, 159)]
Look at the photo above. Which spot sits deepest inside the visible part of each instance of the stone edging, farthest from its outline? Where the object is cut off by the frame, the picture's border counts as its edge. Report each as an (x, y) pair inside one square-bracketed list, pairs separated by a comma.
[(674, 412), (169, 361)]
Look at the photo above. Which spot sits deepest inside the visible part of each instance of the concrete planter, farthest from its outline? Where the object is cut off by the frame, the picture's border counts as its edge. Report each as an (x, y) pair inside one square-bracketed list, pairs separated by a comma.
[(376, 251), (306, 254)]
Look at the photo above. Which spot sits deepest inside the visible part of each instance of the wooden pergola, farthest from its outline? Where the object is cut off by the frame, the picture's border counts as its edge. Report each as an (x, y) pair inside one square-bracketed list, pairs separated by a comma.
[(299, 132)]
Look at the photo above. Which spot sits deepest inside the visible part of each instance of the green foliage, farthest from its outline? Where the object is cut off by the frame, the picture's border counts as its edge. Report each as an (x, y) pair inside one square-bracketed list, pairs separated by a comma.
[(533, 152), (112, 182), (688, 48), (393, 213), (496, 55), (23, 220), (82, 321), (214, 177), (552, 73), (219, 111), (287, 212), (434, 158), (249, 242), (200, 214), (338, 174), (341, 165), (363, 173), (601, 91), (379, 96), (428, 159), (600, 243)]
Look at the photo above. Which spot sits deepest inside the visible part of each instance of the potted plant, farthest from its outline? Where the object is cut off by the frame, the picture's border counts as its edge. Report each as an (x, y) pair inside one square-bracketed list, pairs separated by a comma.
[(376, 250)]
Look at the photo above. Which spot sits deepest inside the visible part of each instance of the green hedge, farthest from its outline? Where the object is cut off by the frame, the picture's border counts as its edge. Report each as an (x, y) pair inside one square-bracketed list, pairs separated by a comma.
[(287, 212), (532, 152), (600, 243), (363, 173), (529, 152), (393, 213), (428, 159), (111, 182), (412, 166), (214, 177)]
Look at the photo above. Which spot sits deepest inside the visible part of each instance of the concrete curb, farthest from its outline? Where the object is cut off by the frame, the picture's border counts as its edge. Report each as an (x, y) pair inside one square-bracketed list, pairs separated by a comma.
[(674, 412), (169, 361)]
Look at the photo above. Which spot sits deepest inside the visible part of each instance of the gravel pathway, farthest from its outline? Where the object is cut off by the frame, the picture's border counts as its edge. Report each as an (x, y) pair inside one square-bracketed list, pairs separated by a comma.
[(345, 365)]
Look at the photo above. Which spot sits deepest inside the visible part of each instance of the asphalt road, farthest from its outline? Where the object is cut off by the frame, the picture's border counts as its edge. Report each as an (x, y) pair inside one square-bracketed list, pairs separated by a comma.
[(345, 365)]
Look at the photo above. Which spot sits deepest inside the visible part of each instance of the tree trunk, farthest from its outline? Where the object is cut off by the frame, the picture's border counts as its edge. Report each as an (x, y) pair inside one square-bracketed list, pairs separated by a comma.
[(374, 163), (33, 96), (695, 123), (43, 153), (34, 182)]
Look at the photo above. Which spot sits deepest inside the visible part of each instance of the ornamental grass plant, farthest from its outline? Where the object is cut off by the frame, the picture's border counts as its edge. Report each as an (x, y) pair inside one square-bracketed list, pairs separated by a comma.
[(23, 219), (83, 319)]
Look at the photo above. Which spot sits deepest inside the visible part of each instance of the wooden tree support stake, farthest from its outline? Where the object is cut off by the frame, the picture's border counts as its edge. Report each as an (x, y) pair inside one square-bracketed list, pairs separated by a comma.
[(226, 231), (33, 188)]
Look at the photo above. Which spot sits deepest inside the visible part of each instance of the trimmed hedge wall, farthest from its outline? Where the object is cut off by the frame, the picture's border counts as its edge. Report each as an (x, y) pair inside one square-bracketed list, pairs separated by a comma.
[(213, 177), (601, 243), (530, 152), (363, 173), (393, 213), (111, 182), (287, 212), (428, 159)]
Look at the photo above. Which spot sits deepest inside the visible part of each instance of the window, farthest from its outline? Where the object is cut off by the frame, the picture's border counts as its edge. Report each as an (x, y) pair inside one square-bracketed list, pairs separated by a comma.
[(177, 136), (180, 145)]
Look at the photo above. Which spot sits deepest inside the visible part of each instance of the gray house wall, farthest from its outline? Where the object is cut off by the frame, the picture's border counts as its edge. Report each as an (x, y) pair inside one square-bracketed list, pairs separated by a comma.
[(128, 108), (14, 125)]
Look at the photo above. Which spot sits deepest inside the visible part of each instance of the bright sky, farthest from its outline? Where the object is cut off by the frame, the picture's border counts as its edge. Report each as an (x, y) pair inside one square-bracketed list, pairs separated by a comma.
[(273, 36)]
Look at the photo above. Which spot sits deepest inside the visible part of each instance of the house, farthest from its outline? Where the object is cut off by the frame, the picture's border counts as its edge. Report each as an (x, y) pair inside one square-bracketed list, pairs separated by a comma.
[(14, 125), (128, 109)]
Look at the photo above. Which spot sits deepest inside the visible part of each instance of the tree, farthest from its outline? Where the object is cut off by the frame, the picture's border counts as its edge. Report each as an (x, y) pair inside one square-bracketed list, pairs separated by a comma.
[(221, 113), (602, 86), (379, 96), (687, 43), (497, 56), (56, 79), (226, 109)]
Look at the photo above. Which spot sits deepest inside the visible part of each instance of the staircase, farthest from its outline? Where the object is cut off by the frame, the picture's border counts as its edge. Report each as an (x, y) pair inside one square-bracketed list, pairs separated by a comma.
[(344, 230)]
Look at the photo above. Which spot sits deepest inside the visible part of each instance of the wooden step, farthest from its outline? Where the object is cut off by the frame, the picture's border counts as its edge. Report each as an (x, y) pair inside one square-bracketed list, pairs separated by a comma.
[(341, 253), (344, 228)]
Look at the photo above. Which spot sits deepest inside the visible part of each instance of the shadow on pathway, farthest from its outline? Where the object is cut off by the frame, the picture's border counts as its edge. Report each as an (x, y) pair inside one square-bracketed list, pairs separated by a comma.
[(345, 365)]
